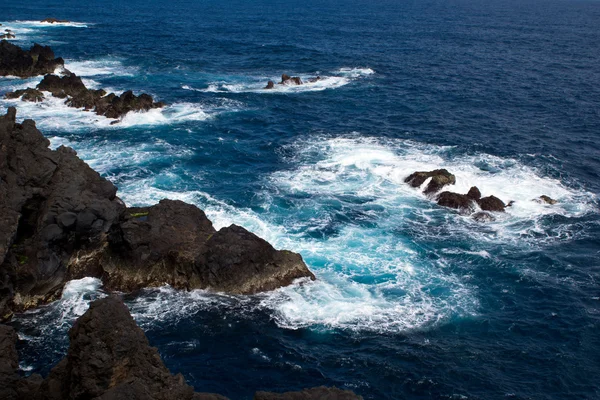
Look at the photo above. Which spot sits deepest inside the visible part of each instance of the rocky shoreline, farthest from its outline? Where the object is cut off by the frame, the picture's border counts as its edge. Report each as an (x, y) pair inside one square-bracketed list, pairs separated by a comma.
[(60, 220), (40, 60)]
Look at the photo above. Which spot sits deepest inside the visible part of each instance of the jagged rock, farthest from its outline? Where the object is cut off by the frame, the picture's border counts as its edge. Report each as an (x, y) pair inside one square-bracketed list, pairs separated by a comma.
[(111, 106), (318, 393), (474, 193), (483, 216), (270, 85), (61, 220), (546, 199), (174, 242), (61, 87), (491, 203), (455, 200), (54, 20), (109, 357), (37, 185), (8, 35), (39, 60), (439, 179), (9, 363), (28, 94)]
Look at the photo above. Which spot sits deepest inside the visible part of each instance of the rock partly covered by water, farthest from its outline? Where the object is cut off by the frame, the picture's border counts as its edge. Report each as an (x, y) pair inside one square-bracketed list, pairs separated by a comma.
[(39, 60), (60, 220), (28, 94), (546, 199), (109, 358), (287, 80), (78, 95), (439, 179), (466, 202)]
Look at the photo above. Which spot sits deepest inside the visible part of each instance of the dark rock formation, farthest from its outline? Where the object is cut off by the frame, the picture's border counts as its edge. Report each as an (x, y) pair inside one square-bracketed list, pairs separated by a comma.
[(175, 242), (455, 200), (318, 393), (112, 106), (39, 60), (474, 193), (60, 220), (439, 179), (7, 35), (8, 363), (37, 185), (54, 21), (270, 85), (290, 80), (467, 202), (546, 199), (28, 94), (109, 358), (491, 203)]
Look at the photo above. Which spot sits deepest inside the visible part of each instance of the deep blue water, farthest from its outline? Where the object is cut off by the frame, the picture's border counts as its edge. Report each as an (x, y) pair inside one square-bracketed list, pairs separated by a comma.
[(413, 301)]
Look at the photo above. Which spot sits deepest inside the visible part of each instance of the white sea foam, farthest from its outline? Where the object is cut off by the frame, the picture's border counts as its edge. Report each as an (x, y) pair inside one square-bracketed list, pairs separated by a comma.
[(53, 113), (337, 79), (100, 67), (48, 24)]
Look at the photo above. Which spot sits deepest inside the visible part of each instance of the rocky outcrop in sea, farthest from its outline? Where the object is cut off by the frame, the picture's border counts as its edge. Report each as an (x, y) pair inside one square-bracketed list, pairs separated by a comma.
[(60, 220), (40, 61)]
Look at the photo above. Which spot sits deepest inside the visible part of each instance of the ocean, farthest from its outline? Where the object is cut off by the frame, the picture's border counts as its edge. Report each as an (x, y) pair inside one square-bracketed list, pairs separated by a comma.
[(413, 300)]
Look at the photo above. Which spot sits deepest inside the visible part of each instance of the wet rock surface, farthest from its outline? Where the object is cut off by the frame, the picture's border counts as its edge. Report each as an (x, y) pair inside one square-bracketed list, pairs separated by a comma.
[(28, 94), (61, 220), (38, 60), (439, 179)]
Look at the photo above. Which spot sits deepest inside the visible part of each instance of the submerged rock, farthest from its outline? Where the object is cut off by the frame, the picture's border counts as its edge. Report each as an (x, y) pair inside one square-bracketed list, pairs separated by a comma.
[(8, 35), (38, 60), (28, 94), (270, 85), (546, 199), (439, 179), (61, 220), (483, 216)]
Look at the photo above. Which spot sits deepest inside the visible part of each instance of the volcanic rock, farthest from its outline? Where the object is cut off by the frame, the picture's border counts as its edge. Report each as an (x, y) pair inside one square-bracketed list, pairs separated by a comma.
[(8, 363), (545, 199), (270, 85), (109, 357), (39, 60), (8, 35), (474, 193), (112, 106), (318, 393), (37, 185), (439, 179), (455, 200), (28, 94), (60, 220), (174, 242), (491, 203)]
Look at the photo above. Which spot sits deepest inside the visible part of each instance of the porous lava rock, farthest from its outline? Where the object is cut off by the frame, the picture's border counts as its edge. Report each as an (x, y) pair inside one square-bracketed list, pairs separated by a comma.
[(439, 179)]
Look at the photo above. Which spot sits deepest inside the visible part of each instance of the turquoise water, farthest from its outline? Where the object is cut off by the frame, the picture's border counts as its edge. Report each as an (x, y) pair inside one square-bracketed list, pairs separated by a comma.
[(412, 300)]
